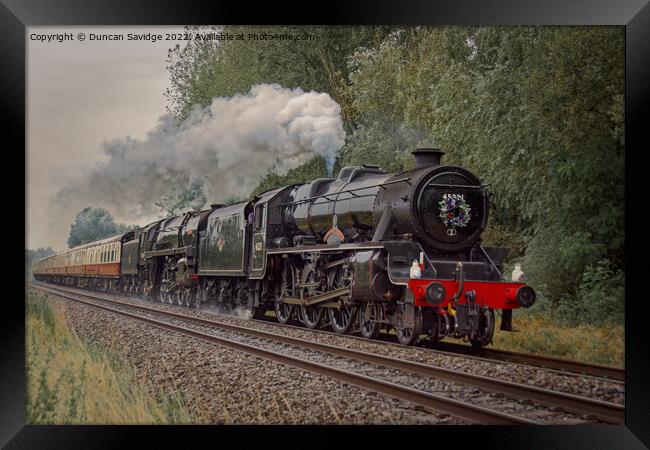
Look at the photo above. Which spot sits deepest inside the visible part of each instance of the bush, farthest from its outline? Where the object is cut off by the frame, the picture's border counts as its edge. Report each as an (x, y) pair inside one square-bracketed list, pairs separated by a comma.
[(600, 300)]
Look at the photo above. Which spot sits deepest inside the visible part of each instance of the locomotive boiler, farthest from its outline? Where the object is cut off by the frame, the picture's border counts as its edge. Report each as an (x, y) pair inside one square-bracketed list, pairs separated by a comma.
[(363, 252), (372, 205)]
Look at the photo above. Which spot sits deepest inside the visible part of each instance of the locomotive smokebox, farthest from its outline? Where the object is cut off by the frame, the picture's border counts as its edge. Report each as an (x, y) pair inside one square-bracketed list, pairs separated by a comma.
[(427, 155)]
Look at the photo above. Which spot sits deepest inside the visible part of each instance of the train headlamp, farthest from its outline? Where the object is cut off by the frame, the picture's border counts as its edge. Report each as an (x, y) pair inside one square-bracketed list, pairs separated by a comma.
[(525, 296), (435, 293)]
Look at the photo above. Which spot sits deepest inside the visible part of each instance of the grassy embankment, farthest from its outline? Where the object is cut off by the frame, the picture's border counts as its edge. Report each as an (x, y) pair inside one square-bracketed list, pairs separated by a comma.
[(540, 334), (70, 381)]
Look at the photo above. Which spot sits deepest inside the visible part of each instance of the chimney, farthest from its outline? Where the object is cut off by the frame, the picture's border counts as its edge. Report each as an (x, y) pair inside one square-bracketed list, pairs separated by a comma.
[(427, 155)]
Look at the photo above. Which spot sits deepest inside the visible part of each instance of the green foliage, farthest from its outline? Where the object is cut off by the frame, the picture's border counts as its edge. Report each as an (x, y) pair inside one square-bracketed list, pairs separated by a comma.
[(381, 142), (536, 112), (315, 168), (35, 255), (191, 198), (600, 299), (92, 224), (506, 234)]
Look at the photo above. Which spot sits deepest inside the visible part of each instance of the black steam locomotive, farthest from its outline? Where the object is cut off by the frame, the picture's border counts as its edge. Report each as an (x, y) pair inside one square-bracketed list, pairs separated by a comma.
[(363, 251)]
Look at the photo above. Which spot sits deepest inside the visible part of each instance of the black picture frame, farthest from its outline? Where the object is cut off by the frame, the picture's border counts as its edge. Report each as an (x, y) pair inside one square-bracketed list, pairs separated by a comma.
[(634, 15)]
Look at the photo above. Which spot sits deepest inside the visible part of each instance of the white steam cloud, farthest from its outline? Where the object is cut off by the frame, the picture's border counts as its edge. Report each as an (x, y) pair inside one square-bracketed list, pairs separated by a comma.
[(219, 153)]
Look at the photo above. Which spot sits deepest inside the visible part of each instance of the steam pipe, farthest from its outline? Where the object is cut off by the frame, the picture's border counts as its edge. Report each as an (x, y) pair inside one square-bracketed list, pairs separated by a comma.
[(461, 282)]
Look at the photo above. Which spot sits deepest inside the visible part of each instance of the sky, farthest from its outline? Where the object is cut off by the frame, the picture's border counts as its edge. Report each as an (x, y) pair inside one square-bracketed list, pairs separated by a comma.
[(81, 94)]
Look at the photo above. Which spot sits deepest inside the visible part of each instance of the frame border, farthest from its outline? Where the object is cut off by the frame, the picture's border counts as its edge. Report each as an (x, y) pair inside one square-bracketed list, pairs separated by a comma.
[(17, 15)]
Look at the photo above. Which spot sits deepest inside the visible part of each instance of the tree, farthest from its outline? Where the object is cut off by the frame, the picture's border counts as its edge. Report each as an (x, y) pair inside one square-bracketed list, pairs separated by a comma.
[(92, 224), (35, 255), (315, 168), (537, 113), (201, 70), (191, 197)]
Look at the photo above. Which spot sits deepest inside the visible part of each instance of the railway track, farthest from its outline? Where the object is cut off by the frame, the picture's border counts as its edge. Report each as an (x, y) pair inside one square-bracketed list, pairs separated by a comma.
[(547, 362), (600, 410), (557, 365)]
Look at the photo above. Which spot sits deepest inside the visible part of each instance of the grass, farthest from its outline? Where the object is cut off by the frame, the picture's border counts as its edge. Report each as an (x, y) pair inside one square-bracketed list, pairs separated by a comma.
[(540, 335), (70, 381)]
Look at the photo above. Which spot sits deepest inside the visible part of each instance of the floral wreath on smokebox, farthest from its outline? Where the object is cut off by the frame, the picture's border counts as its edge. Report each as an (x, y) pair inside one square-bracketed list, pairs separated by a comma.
[(454, 212)]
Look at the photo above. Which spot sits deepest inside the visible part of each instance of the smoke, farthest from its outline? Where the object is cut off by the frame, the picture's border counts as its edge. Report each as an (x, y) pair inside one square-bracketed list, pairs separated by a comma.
[(219, 153), (240, 312)]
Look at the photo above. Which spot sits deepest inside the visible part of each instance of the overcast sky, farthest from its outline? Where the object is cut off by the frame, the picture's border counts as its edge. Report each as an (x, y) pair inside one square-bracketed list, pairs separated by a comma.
[(80, 94)]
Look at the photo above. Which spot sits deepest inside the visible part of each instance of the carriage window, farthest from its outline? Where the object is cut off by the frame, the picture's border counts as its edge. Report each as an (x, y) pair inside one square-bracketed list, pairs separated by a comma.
[(112, 255)]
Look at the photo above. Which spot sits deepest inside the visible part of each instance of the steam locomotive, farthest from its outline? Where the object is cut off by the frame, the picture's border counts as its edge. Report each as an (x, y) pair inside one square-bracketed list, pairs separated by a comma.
[(364, 251)]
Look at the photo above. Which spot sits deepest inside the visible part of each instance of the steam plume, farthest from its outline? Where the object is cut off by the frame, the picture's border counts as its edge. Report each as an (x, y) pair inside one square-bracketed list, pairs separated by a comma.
[(218, 153)]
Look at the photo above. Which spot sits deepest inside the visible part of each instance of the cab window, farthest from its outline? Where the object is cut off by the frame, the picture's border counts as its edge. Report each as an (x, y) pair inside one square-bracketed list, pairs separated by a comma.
[(259, 216)]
